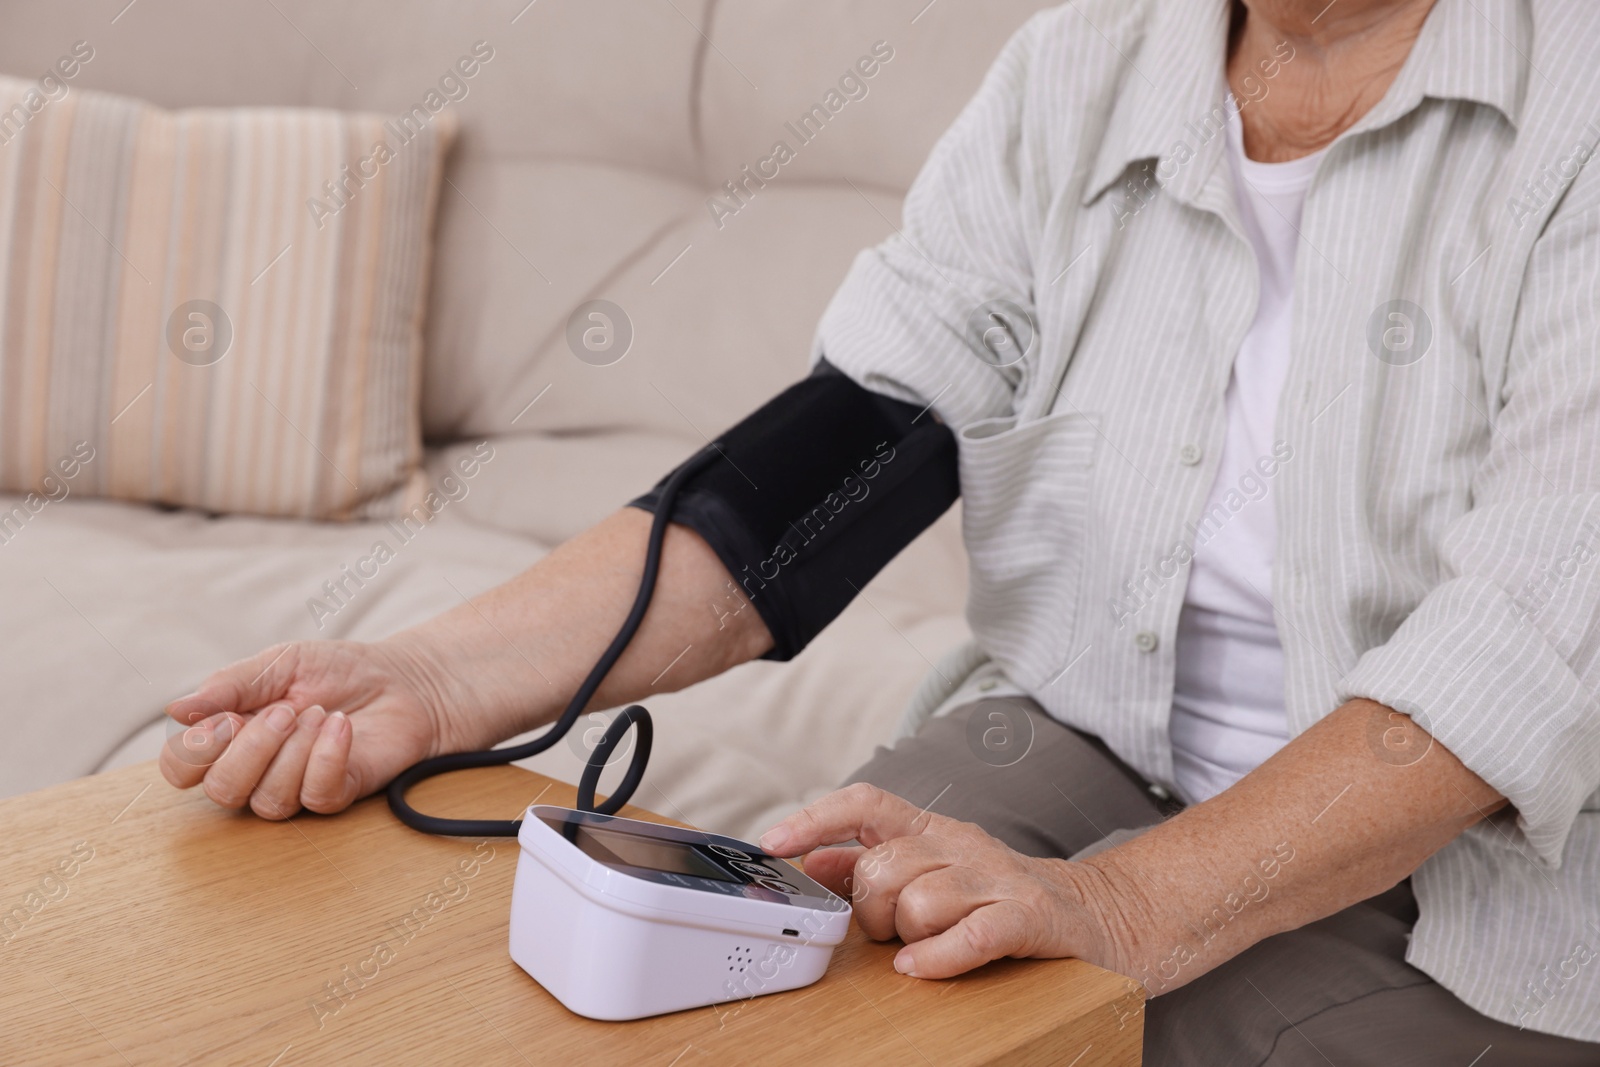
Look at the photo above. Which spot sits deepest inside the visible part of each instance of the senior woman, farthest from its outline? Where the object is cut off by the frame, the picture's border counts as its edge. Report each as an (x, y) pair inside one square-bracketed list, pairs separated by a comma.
[(1263, 343)]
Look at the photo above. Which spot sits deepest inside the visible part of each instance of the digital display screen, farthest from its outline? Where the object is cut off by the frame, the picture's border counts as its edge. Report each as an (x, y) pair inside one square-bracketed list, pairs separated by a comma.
[(613, 847), (678, 856)]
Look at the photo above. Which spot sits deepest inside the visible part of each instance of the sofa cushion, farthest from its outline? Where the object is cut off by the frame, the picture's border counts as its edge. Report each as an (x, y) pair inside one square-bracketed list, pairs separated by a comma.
[(523, 243), (600, 80), (219, 309), (928, 59), (114, 609), (721, 320)]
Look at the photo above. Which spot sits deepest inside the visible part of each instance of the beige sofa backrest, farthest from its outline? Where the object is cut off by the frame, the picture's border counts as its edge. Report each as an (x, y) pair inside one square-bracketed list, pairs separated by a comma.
[(592, 140)]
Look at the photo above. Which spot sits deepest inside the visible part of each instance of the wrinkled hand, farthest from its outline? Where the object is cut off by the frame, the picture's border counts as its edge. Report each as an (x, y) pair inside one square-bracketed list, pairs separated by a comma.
[(956, 896), (314, 724)]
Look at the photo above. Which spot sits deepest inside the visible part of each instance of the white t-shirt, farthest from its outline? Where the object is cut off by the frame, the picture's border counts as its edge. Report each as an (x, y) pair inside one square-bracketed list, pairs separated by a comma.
[(1227, 705)]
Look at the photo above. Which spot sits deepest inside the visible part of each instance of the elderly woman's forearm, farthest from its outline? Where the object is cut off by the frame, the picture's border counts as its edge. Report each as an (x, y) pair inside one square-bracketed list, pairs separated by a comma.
[(1343, 812), (515, 655)]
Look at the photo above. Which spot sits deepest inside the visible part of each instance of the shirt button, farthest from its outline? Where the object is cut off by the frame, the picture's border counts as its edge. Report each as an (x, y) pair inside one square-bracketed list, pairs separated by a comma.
[(1145, 641), (1189, 455)]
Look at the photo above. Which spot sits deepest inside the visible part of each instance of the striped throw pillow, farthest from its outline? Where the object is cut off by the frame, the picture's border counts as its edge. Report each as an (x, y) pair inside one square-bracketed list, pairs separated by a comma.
[(222, 308)]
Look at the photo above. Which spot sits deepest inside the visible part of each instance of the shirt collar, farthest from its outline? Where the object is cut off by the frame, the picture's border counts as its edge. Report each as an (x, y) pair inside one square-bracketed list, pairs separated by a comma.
[(1174, 90)]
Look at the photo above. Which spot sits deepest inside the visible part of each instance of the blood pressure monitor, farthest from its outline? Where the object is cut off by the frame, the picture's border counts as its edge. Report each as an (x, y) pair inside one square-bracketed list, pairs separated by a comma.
[(621, 919)]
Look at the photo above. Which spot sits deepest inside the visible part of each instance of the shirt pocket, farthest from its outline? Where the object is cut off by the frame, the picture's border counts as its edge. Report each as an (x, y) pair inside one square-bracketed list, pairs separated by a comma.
[(1025, 517)]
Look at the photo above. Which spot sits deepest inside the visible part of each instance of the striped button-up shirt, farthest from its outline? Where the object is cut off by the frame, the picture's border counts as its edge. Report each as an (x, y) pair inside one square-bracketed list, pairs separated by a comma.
[(1068, 292)]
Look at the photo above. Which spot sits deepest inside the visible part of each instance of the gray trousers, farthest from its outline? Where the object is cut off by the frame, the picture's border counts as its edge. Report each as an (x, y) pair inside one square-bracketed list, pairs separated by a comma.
[(1340, 990)]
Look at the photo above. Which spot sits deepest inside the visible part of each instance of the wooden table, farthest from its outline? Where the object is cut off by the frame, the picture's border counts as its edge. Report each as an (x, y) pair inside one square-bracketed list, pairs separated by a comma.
[(143, 925)]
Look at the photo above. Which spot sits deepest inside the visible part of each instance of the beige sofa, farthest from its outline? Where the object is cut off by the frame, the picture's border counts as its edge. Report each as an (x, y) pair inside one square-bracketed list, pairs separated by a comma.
[(591, 146)]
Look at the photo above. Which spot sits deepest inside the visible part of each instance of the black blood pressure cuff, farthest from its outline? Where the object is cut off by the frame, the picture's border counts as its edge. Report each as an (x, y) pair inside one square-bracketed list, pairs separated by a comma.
[(815, 492)]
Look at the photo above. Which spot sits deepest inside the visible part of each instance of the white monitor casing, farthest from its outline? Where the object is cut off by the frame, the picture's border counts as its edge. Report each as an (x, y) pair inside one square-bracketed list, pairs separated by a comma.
[(612, 945)]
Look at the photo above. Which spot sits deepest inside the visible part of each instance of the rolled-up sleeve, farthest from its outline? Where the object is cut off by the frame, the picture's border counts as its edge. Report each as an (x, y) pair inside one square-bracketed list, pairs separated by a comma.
[(1501, 661), (899, 323)]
